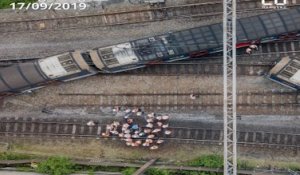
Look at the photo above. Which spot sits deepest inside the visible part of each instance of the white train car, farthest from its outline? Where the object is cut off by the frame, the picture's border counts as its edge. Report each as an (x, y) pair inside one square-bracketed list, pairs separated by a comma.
[(287, 72)]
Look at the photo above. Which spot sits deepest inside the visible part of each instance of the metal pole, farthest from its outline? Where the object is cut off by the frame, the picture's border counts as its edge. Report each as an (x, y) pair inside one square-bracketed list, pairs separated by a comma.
[(229, 75)]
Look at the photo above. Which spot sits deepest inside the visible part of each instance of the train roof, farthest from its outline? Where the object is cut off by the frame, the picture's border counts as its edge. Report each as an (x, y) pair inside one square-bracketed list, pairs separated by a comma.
[(211, 36), (19, 76)]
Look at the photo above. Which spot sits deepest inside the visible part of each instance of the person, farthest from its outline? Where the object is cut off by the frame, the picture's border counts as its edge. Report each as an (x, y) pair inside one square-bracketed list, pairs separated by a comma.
[(138, 142), (151, 136), (121, 135), (158, 118), (165, 117), (142, 134), (128, 143), (159, 141), (150, 115), (130, 121), (168, 132), (249, 51), (116, 123), (116, 109), (159, 124), (149, 141), (147, 131), (154, 147), (149, 125), (105, 134), (91, 123), (127, 111), (139, 114), (135, 127), (114, 132), (157, 130), (135, 136), (253, 46), (193, 96), (165, 126), (150, 120), (146, 144), (135, 110)]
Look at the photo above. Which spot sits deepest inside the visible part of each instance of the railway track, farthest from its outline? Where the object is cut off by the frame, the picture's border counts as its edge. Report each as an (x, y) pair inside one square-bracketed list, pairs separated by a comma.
[(202, 11), (30, 127), (258, 103), (198, 68)]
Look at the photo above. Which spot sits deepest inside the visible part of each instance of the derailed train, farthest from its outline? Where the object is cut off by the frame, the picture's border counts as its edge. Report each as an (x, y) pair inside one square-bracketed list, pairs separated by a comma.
[(169, 47)]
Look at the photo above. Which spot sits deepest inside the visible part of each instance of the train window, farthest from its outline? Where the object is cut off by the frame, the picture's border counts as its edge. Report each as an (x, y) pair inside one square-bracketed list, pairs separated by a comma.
[(205, 29), (296, 18), (192, 45), (248, 26), (260, 31), (217, 30), (159, 54), (198, 35), (268, 24), (183, 47), (289, 23), (193, 48), (186, 32), (196, 31), (142, 42), (177, 36), (240, 32), (277, 22), (189, 37)]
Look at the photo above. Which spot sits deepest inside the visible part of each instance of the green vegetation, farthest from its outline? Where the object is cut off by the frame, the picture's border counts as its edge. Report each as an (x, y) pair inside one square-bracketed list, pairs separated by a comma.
[(6, 3), (128, 171), (56, 166), (210, 161), (245, 165), (14, 156), (155, 171), (64, 166)]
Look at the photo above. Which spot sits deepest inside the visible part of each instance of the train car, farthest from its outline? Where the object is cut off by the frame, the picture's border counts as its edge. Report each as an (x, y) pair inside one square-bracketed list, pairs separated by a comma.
[(199, 41), (287, 73), (22, 77), (169, 47)]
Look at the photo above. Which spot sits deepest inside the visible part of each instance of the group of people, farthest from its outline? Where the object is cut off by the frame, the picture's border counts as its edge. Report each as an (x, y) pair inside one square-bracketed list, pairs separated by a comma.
[(139, 129)]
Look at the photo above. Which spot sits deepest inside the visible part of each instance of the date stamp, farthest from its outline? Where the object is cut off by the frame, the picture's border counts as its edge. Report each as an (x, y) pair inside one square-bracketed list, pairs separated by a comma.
[(43, 5)]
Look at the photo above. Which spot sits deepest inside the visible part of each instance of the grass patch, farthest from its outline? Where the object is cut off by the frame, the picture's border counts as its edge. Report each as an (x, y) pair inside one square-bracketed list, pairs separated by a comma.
[(14, 156), (6, 3), (56, 166), (210, 161), (155, 171), (245, 165), (129, 171)]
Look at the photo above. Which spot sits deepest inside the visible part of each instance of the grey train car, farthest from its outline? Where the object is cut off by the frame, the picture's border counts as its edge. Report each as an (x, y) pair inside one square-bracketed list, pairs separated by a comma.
[(169, 47), (199, 41), (31, 75), (287, 73)]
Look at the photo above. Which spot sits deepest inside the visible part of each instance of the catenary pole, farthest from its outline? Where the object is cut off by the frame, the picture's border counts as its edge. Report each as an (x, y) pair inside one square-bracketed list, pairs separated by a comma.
[(229, 88)]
